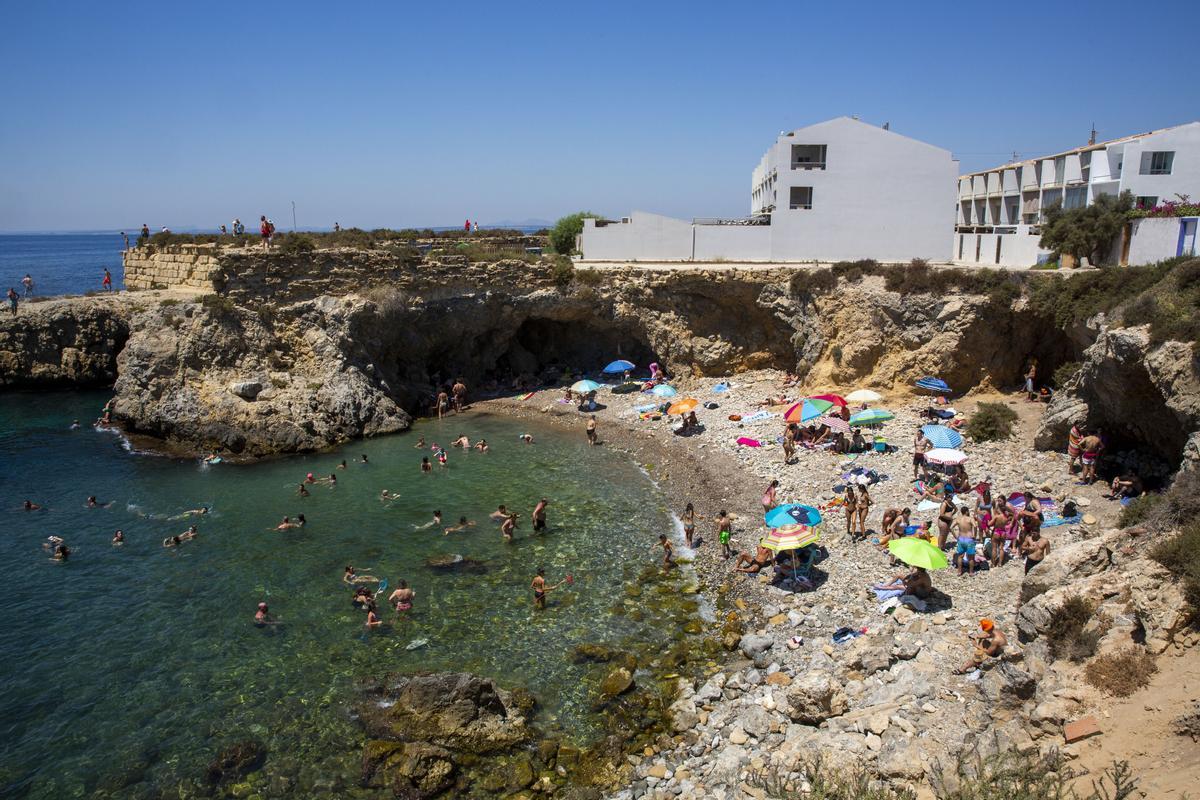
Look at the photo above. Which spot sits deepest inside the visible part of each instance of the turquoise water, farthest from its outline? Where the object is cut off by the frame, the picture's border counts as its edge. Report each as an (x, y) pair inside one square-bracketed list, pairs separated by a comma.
[(126, 668)]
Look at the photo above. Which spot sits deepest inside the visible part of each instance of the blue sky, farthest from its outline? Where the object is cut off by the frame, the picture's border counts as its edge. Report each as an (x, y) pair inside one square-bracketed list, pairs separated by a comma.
[(399, 114)]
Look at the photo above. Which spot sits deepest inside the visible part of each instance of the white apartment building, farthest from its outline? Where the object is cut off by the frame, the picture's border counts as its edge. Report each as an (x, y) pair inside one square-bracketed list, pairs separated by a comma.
[(837, 190), (999, 209)]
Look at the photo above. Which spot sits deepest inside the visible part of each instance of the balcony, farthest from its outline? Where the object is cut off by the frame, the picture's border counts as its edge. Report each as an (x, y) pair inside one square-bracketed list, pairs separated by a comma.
[(808, 156)]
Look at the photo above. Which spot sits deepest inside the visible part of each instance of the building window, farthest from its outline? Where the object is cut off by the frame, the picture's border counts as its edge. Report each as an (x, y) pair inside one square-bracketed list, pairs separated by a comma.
[(801, 197), (1076, 197), (1146, 201), (1157, 162), (808, 156)]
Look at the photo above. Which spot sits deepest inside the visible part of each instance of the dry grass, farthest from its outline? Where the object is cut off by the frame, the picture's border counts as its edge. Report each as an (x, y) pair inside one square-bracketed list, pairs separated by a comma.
[(1122, 673)]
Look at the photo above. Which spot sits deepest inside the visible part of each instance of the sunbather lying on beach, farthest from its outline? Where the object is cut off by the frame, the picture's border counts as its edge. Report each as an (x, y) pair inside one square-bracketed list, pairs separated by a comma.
[(762, 558)]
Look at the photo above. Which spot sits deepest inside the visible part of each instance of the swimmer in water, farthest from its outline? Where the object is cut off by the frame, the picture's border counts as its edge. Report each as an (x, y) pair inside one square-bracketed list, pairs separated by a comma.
[(302, 491), (350, 576), (373, 618), (118, 537), (195, 512), (463, 524), (668, 552), (75, 425), (402, 598), (31, 506), (332, 481), (61, 552), (441, 458), (387, 496), (425, 465), (262, 617), (190, 533), (301, 521), (342, 465), (501, 512), (540, 589), (526, 438), (287, 523), (172, 541), (482, 445), (420, 445), (309, 478), (92, 502), (364, 459), (508, 526), (463, 442)]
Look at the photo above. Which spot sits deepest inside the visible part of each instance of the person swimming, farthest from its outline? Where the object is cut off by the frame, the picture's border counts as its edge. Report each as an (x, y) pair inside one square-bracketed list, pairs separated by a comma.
[(350, 576), (462, 441), (302, 492), (482, 445), (500, 513), (195, 512), (526, 438), (261, 617), (437, 520), (309, 478), (61, 552), (420, 445), (172, 541), (425, 465), (301, 521), (463, 524), (31, 506), (387, 496), (342, 465), (287, 523), (508, 526), (373, 618), (92, 502), (119, 537), (364, 459)]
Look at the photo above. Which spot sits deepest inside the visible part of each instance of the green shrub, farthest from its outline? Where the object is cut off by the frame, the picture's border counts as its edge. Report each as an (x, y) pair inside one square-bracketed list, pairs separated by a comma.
[(218, 305), (835, 352), (812, 281), (589, 277), (169, 301), (990, 422), (1012, 775), (855, 271), (1065, 373), (1086, 232), (1181, 555), (296, 244), (825, 782), (562, 271), (566, 230), (1067, 635), (1122, 673)]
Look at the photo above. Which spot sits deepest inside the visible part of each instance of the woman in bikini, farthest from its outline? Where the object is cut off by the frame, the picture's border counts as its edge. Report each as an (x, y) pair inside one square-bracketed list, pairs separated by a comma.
[(851, 510), (402, 598), (689, 524), (768, 498), (863, 508), (945, 517)]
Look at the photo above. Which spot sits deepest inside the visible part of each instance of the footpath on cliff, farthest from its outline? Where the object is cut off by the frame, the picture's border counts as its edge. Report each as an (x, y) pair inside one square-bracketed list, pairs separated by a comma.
[(888, 699)]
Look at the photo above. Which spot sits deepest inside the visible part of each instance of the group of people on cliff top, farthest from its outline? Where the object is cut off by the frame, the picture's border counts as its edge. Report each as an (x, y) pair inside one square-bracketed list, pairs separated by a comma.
[(14, 299)]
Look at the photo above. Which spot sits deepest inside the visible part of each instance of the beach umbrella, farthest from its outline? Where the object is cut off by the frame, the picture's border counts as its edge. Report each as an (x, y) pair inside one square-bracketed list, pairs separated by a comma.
[(864, 396), (807, 410), (872, 416), (792, 514), (791, 537), (942, 435), (619, 366), (683, 406), (918, 553), (836, 399), (836, 424), (664, 390), (933, 385), (583, 387), (945, 455)]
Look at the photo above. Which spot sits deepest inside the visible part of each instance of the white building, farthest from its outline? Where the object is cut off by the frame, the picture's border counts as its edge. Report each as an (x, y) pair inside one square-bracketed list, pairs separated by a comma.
[(837, 190), (999, 208)]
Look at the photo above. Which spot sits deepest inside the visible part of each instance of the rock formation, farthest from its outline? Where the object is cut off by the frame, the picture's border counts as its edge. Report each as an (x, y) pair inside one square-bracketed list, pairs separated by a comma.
[(62, 344)]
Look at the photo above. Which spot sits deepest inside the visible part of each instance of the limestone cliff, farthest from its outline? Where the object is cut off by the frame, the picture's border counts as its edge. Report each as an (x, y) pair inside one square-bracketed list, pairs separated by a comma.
[(62, 343)]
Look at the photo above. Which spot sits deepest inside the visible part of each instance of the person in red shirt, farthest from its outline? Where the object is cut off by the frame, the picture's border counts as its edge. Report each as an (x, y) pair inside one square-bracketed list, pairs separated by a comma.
[(107, 282), (264, 228), (467, 226)]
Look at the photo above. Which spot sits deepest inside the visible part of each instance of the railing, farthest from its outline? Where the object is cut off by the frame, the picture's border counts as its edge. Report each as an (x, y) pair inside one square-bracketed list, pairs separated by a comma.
[(808, 165), (754, 220), (795, 206)]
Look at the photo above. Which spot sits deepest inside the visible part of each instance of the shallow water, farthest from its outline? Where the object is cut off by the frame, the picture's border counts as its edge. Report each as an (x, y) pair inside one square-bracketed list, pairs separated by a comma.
[(128, 667)]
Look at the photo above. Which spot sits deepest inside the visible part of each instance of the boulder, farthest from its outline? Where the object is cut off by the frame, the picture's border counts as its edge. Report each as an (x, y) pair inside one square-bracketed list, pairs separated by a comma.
[(1007, 685), (618, 681), (236, 761), (753, 644), (247, 390), (412, 770), (815, 697)]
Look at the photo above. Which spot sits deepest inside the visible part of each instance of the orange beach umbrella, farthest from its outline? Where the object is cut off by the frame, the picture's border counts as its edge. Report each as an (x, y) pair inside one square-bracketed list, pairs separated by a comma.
[(683, 406)]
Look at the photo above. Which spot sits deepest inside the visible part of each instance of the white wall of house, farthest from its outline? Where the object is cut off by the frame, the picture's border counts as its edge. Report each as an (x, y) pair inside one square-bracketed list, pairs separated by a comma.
[(873, 194), (1184, 178), (1018, 249), (1156, 238)]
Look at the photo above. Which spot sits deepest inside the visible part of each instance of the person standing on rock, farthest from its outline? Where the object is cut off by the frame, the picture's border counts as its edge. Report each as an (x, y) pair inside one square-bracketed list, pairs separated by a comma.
[(144, 236), (591, 430), (1089, 447), (789, 443), (689, 525), (264, 230), (1035, 548), (964, 532), (443, 403), (725, 533), (460, 395), (107, 282), (12, 300), (851, 509), (1030, 377), (27, 282), (864, 508)]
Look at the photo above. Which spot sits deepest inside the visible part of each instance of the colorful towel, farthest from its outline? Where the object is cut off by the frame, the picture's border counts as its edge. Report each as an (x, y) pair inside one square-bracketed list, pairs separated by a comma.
[(742, 440), (758, 416), (531, 394), (1053, 520), (927, 505)]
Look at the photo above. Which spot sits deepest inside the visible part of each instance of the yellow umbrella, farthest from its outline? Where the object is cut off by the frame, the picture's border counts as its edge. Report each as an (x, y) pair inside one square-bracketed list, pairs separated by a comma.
[(683, 406), (791, 537)]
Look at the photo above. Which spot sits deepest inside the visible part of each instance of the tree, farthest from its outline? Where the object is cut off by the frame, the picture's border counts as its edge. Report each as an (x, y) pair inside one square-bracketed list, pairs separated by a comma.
[(567, 230), (1086, 232)]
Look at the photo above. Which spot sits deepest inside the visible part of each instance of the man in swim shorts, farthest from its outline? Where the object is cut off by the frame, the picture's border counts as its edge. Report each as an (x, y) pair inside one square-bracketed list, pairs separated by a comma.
[(761, 559), (725, 532), (964, 531), (989, 643), (1089, 448), (463, 524), (402, 598), (539, 516), (500, 513), (1035, 549), (591, 429), (668, 552)]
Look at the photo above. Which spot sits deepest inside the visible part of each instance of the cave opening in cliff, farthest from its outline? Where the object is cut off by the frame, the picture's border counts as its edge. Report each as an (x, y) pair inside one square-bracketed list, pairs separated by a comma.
[(542, 347)]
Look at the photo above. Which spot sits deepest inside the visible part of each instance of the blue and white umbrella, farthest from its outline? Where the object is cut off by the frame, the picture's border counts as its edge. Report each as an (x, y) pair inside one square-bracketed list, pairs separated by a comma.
[(584, 387), (942, 436), (933, 385), (663, 390), (792, 514), (619, 366)]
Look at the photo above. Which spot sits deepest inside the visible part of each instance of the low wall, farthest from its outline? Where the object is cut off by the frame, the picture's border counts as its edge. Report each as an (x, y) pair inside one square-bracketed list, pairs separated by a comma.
[(1156, 238), (1015, 249), (179, 266), (248, 274)]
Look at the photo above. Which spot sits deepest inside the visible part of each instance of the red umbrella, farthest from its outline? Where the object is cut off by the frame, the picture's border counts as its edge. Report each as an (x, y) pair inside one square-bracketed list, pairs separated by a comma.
[(836, 399)]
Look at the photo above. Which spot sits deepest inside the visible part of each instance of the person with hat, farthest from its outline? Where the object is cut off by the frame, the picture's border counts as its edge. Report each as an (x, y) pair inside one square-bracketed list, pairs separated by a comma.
[(261, 617), (989, 643)]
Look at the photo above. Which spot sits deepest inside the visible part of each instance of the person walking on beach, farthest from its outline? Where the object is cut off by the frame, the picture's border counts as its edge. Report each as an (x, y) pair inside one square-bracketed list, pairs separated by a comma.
[(27, 282), (591, 430), (1030, 377), (921, 446), (689, 524), (769, 500), (863, 508), (12, 300), (725, 532), (668, 552), (467, 226), (460, 395)]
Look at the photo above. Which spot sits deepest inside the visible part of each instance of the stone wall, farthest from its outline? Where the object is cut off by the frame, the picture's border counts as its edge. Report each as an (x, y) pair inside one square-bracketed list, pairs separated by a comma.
[(175, 267), (249, 274)]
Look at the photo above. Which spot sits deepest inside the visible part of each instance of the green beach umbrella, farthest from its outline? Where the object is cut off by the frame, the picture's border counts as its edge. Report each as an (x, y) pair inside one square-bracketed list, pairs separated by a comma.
[(918, 553), (871, 416)]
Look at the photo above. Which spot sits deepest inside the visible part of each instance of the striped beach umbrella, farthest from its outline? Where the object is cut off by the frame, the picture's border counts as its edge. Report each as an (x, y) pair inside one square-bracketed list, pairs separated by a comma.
[(791, 537), (932, 384), (942, 436), (872, 416), (836, 424), (836, 399), (807, 410), (792, 514)]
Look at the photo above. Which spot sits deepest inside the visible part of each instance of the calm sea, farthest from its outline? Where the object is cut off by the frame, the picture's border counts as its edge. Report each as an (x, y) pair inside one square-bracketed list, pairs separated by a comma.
[(66, 263)]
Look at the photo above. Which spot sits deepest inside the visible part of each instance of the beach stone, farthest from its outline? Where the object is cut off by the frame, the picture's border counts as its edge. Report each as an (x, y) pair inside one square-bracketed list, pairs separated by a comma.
[(755, 721), (1007, 685), (779, 679), (815, 697), (738, 736), (236, 761), (247, 390), (618, 681), (753, 644)]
